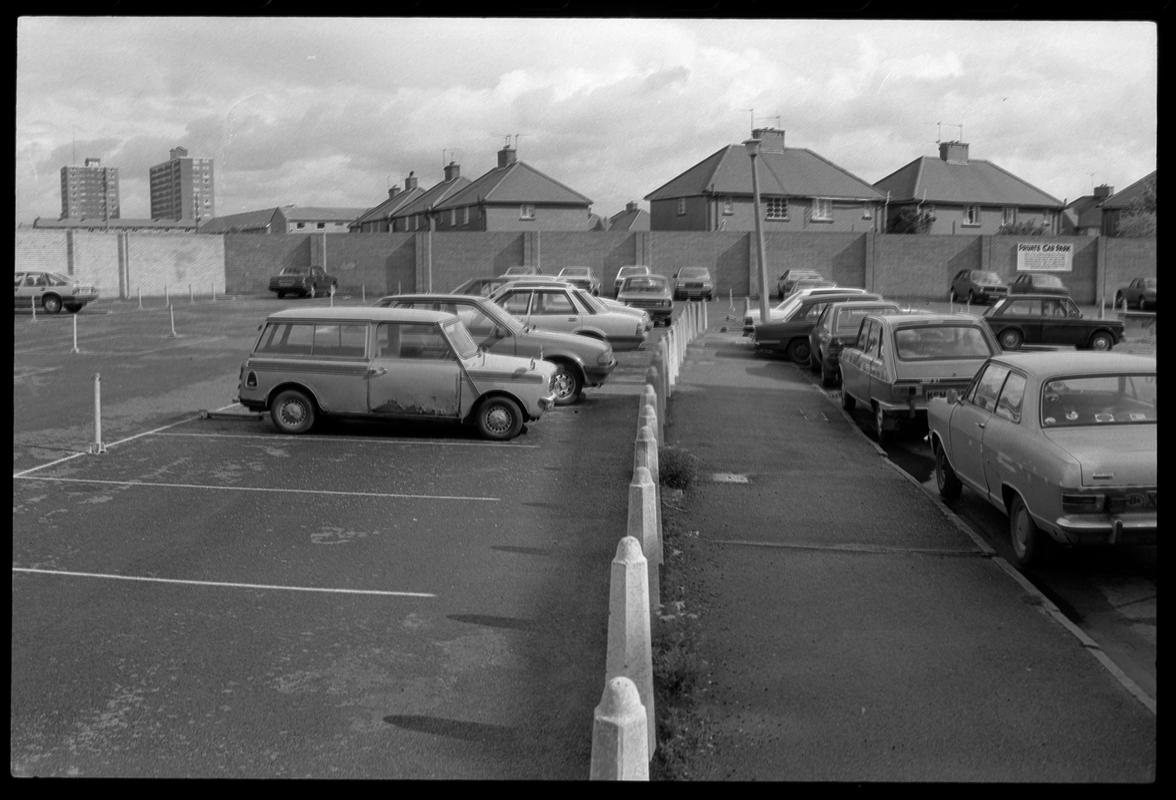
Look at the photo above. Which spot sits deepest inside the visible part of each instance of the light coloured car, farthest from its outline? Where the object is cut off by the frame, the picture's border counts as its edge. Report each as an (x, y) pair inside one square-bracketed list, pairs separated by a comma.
[(901, 361), (751, 317), (51, 292), (790, 276), (1062, 442), (810, 283), (627, 271), (582, 277), (521, 271), (694, 282), (579, 361), (480, 286), (595, 301), (561, 307), (650, 293), (388, 363), (838, 323)]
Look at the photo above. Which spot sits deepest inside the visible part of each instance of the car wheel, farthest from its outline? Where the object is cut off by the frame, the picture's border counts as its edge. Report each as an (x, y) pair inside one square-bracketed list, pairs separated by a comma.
[(281, 295), (847, 400), (499, 418), (73, 308), (828, 376), (1119, 300), (1010, 339), (292, 412), (946, 480), (799, 351), (567, 384), (51, 303), (881, 434), (814, 363), (971, 298), (1140, 304), (1101, 340), (1024, 535)]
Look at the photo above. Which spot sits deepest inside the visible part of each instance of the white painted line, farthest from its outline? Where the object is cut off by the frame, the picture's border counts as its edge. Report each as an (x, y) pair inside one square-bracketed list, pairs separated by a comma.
[(151, 484), (379, 440), (219, 583)]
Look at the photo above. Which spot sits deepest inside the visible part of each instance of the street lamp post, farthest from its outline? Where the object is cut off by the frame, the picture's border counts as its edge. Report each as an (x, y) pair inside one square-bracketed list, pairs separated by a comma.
[(753, 147)]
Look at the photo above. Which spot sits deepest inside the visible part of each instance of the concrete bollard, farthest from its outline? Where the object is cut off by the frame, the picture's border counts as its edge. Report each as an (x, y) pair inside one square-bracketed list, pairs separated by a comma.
[(620, 741), (630, 653), (643, 526), (33, 305), (648, 417), (649, 398), (645, 455), (665, 390), (652, 385)]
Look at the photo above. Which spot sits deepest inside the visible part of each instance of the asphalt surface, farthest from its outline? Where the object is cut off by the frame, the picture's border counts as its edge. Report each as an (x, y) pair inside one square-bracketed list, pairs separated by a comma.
[(849, 629)]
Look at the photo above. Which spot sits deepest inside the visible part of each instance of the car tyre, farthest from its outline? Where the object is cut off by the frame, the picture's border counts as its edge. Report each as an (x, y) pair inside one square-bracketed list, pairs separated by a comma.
[(1101, 340), (1010, 339), (799, 351), (51, 303), (499, 418), (281, 295), (814, 361), (567, 384), (946, 480), (955, 298), (971, 298), (847, 400), (292, 412), (1141, 304), (1119, 300), (828, 376), (1024, 535), (881, 434), (73, 308)]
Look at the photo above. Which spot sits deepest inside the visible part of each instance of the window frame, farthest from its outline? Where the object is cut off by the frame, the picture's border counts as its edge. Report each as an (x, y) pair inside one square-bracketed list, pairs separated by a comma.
[(822, 209), (772, 206), (526, 211), (971, 214)]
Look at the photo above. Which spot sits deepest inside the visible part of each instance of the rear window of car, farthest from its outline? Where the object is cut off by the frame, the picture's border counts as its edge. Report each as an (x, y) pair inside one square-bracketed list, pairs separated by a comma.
[(644, 283), (694, 272), (934, 342), (327, 340), (1099, 400), (986, 277), (849, 320)]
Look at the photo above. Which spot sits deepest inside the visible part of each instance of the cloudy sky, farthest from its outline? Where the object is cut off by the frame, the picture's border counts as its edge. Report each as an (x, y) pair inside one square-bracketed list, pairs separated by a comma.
[(331, 112)]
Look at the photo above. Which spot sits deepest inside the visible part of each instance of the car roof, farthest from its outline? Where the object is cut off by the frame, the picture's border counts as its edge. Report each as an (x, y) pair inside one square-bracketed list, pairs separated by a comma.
[(361, 314), (1094, 361), (912, 318), (439, 297), (1034, 296)]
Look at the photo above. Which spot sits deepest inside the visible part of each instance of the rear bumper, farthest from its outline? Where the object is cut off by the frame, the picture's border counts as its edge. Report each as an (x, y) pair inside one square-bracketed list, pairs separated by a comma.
[(1092, 530)]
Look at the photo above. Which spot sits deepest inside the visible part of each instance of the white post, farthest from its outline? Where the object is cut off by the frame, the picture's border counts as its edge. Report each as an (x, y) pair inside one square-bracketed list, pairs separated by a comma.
[(620, 741), (166, 297), (97, 446), (75, 334), (643, 526), (191, 295), (172, 313), (629, 653), (363, 293), (140, 298), (33, 303)]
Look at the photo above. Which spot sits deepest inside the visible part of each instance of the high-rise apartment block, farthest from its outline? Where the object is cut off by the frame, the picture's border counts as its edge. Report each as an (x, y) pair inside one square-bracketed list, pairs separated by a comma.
[(90, 191), (182, 188)]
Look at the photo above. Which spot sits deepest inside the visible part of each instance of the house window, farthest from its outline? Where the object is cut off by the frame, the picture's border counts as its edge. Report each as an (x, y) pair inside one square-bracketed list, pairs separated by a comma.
[(526, 211), (822, 208), (971, 215), (1008, 216), (728, 206), (321, 225), (681, 206), (465, 216), (776, 208), (452, 217), (301, 225)]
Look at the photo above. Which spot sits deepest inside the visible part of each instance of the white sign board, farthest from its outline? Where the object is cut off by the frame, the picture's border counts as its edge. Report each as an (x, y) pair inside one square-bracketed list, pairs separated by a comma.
[(1045, 257)]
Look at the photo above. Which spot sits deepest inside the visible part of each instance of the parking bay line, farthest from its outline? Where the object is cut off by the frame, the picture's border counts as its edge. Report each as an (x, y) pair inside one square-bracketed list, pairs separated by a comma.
[(105, 576), (160, 485)]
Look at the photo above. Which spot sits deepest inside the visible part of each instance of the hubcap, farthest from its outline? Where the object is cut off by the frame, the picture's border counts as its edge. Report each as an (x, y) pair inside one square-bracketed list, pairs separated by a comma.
[(293, 412), (498, 419), (564, 384)]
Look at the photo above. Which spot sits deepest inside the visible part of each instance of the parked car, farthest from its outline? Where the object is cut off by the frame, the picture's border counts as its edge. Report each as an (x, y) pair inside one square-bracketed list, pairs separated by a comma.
[(811, 283), (692, 282), (1064, 443), (560, 307), (579, 361), (1037, 283), (975, 286), (595, 301), (751, 317), (388, 363), (789, 335), (790, 276), (583, 277), (625, 272), (1140, 293), (837, 324), (1049, 319), (900, 361), (51, 291), (521, 271), (480, 286), (650, 293), (303, 281)]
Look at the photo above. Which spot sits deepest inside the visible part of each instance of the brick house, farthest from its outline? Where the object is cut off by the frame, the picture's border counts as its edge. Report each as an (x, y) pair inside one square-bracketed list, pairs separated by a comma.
[(379, 219), (285, 219), (1083, 217), (1119, 203), (957, 194), (419, 214), (799, 191), (631, 219)]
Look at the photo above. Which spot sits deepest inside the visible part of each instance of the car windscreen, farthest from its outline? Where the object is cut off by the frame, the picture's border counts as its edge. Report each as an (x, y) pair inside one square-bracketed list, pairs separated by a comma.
[(940, 342), (1125, 399), (986, 278), (694, 272), (645, 284), (459, 337)]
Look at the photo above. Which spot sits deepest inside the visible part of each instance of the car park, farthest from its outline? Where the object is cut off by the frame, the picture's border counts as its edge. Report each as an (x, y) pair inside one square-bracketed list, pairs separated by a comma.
[(303, 281), (1064, 443), (582, 277), (561, 307), (837, 324), (1049, 319), (650, 293), (694, 282), (51, 292), (899, 362), (521, 271), (789, 277), (976, 286), (388, 363), (1038, 283), (625, 272), (480, 286), (789, 335), (751, 317), (579, 361), (1139, 294)]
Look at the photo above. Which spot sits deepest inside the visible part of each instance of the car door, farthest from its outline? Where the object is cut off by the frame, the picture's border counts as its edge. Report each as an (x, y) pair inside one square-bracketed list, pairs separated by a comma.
[(414, 372), (1004, 437), (1062, 322), (877, 364), (969, 421), (855, 363), (555, 310)]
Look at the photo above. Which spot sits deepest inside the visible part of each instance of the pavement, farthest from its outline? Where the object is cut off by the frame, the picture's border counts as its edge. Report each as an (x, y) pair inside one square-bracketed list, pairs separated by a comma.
[(847, 627)]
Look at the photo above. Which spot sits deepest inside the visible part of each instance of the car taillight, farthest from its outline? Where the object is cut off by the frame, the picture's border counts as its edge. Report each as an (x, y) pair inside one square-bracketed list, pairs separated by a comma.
[(251, 380), (1083, 503)]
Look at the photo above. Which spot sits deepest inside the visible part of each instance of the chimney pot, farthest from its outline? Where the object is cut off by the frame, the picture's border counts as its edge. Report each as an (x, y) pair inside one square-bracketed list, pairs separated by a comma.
[(954, 152), (410, 182), (507, 156), (1103, 192), (452, 171), (393, 191), (771, 139)]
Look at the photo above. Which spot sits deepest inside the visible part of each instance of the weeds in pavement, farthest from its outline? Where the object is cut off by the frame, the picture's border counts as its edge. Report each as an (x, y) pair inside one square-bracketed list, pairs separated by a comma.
[(677, 468)]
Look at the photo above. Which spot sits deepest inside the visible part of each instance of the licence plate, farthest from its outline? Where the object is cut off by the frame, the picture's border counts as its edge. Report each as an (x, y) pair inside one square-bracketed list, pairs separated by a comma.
[(936, 393)]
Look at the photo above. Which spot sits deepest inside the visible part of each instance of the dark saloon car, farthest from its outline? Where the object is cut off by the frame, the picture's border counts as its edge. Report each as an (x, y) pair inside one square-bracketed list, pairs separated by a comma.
[(1140, 293), (1038, 283), (1049, 319), (789, 335), (693, 282), (838, 324), (789, 278), (579, 360), (975, 286), (303, 281)]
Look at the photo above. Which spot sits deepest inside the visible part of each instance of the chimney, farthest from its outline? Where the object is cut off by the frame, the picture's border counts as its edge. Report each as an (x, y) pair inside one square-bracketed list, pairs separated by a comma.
[(1103, 192), (393, 191), (179, 152), (507, 156), (954, 152), (452, 171), (630, 206), (771, 139), (410, 182), (93, 162)]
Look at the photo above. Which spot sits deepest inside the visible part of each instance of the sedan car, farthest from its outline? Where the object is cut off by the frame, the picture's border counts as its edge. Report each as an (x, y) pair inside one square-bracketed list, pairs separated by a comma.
[(790, 276), (652, 294), (583, 277), (1049, 319), (901, 361), (51, 291), (751, 317), (1140, 293), (303, 281), (560, 307), (789, 335), (595, 301), (975, 286), (694, 282), (1063, 443), (837, 324), (579, 361), (1038, 283), (625, 272), (479, 286)]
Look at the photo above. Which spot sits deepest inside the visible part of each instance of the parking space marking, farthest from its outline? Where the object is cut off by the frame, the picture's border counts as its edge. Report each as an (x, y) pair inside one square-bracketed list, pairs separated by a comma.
[(381, 440), (104, 576), (154, 485)]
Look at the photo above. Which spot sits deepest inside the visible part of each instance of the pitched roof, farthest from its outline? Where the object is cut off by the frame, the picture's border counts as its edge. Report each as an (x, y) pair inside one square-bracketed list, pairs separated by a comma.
[(631, 219), (319, 213), (1126, 197), (933, 180), (516, 182), (245, 221), (787, 171), (431, 197), (1085, 211), (389, 207)]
